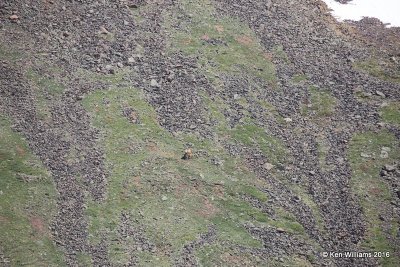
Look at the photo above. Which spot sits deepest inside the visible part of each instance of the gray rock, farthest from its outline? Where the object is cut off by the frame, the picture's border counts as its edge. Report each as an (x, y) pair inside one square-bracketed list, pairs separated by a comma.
[(110, 69), (171, 77), (379, 93), (268, 166), (389, 168), (154, 83), (384, 154), (365, 155), (217, 161)]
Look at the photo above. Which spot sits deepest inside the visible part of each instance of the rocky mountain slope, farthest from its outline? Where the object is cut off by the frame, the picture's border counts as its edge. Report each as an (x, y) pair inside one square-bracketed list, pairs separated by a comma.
[(292, 117)]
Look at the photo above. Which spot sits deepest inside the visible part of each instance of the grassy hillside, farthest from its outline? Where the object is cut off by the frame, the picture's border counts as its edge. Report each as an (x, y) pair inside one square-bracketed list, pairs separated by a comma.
[(27, 197), (295, 142)]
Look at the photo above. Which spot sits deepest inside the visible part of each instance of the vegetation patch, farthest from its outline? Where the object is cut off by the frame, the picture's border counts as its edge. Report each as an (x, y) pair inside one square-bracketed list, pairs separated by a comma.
[(322, 103), (173, 200), (45, 90), (252, 135), (246, 133), (381, 69), (84, 259), (221, 44), (223, 255), (280, 53), (28, 204), (366, 160), (176, 200), (391, 113), (10, 54)]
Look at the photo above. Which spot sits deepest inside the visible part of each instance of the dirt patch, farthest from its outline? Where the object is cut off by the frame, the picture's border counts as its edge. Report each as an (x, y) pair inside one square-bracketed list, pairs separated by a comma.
[(187, 41), (37, 224), (137, 181), (151, 146), (4, 219), (244, 40), (194, 190), (205, 37), (20, 151), (219, 191), (268, 56), (155, 149), (219, 28), (375, 191), (208, 210)]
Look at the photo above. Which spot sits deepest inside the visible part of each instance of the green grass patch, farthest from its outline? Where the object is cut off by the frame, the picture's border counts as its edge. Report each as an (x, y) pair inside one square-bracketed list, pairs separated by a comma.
[(381, 69), (372, 192), (149, 259), (45, 90), (221, 44), (391, 113), (9, 54), (84, 259), (253, 192), (220, 255), (279, 52), (252, 135), (45, 85), (288, 222), (176, 200), (28, 204), (247, 133), (322, 103)]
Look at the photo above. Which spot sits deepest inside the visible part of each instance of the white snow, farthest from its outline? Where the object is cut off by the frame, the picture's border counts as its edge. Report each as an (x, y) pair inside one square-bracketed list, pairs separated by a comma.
[(387, 11)]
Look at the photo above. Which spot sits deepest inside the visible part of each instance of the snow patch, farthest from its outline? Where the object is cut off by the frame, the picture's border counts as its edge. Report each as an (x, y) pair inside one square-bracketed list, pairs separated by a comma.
[(387, 11)]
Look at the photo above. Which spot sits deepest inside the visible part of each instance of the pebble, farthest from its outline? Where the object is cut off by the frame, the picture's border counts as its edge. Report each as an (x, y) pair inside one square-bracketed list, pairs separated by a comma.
[(379, 93), (110, 69), (14, 17), (154, 83), (171, 77), (103, 30), (384, 154), (365, 155), (389, 168), (268, 166)]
